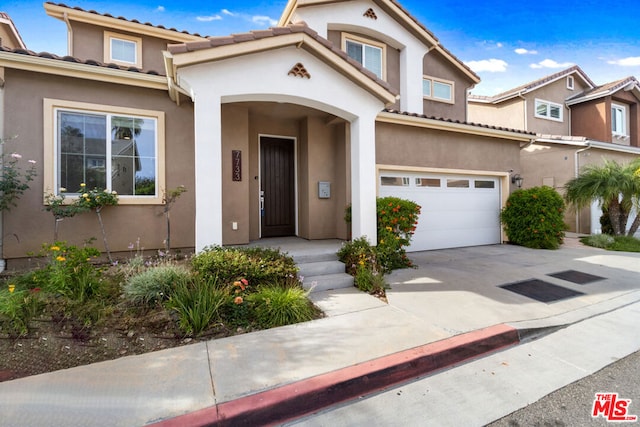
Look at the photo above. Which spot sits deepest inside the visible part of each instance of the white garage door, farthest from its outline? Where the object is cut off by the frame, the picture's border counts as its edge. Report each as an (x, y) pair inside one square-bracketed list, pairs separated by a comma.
[(457, 210)]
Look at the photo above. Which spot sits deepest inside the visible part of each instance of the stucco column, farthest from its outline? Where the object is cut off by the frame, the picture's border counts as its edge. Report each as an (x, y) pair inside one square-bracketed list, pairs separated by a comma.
[(363, 178), (208, 164), (411, 72)]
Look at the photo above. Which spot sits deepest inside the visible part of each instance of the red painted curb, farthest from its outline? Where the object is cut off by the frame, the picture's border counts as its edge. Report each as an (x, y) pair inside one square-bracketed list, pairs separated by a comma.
[(309, 395)]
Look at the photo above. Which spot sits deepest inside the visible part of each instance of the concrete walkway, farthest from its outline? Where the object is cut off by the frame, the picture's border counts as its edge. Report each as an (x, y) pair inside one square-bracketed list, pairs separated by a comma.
[(447, 310)]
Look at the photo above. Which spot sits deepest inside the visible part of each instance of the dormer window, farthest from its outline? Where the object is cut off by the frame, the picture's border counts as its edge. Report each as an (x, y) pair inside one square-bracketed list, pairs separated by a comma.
[(548, 110), (370, 54), (122, 49), (570, 82)]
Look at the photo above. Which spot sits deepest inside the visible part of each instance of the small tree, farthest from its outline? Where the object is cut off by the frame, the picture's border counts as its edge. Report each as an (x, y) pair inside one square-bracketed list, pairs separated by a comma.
[(534, 218), (169, 198), (15, 179), (60, 210), (615, 186), (96, 200)]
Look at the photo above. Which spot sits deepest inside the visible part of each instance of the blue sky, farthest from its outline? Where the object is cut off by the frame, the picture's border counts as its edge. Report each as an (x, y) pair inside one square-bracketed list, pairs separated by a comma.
[(507, 42)]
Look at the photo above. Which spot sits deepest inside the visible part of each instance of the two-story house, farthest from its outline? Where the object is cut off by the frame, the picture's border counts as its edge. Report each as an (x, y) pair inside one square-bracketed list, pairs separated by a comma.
[(577, 123), (274, 132)]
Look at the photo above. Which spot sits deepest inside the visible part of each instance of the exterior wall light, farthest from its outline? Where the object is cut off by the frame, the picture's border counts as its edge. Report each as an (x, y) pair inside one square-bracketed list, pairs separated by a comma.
[(517, 180)]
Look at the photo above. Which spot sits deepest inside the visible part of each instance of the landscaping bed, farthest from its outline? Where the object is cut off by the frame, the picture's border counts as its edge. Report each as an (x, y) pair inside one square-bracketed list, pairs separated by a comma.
[(73, 312)]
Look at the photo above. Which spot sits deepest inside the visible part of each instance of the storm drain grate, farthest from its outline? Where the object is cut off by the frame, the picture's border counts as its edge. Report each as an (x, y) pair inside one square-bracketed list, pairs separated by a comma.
[(576, 277), (540, 290)]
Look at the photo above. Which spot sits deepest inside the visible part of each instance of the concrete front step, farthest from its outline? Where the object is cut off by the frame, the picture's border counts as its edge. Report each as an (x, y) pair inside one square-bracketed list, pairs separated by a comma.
[(328, 281), (320, 268)]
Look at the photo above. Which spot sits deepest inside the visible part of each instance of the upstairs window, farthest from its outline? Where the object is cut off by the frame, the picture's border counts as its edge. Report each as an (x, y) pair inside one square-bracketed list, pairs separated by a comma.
[(369, 54), (548, 110), (437, 89), (618, 120), (122, 50), (570, 82)]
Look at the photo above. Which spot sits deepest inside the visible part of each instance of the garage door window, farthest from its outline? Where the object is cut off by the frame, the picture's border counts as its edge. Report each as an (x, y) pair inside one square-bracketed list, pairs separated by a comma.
[(484, 184), (394, 181), (458, 183), (428, 182)]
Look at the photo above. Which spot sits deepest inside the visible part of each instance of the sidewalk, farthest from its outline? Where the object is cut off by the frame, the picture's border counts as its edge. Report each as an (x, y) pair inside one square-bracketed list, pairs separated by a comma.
[(447, 310)]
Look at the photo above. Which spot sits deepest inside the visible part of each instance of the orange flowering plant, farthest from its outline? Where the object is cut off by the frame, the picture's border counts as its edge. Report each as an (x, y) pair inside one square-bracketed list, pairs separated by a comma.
[(397, 221)]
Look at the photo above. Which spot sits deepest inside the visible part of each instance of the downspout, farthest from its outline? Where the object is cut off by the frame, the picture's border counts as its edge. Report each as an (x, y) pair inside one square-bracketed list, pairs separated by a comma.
[(69, 34), (576, 172), (3, 263), (524, 112)]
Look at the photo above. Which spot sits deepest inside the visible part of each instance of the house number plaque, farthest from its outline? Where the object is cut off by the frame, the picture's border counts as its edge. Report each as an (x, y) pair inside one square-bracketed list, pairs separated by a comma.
[(236, 164)]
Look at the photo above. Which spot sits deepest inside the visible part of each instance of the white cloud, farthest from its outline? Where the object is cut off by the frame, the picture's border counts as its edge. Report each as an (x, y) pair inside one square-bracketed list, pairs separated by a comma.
[(227, 12), (522, 51), (550, 63), (160, 9), (491, 65), (209, 18), (261, 19), (632, 61), (499, 44)]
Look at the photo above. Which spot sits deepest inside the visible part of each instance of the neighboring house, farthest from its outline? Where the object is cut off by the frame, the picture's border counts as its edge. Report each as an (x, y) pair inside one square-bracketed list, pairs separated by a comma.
[(538, 106), (9, 35), (576, 122), (273, 132)]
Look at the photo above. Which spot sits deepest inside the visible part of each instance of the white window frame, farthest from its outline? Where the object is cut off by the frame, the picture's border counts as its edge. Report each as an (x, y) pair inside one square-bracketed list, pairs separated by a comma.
[(51, 185), (108, 54), (371, 43), (549, 104), (623, 114), (570, 83), (431, 95)]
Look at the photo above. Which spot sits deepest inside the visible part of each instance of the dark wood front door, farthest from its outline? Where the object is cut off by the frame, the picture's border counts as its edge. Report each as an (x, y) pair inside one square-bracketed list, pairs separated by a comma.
[(277, 182)]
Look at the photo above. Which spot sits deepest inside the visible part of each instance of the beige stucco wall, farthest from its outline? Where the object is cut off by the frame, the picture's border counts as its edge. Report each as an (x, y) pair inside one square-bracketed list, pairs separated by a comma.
[(235, 136), (509, 114), (435, 65), (28, 226), (555, 92), (419, 147)]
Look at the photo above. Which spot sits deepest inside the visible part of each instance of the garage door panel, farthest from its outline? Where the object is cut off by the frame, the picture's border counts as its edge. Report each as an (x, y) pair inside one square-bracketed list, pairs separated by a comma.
[(451, 217)]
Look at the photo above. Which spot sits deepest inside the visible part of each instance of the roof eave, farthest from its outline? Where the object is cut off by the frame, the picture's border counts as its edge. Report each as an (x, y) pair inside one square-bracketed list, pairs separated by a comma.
[(83, 71), (444, 125), (58, 12)]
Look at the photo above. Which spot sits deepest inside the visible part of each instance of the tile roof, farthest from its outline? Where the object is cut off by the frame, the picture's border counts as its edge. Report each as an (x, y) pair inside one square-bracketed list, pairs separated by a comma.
[(605, 89), (135, 21), (47, 55), (461, 122), (534, 84), (300, 27)]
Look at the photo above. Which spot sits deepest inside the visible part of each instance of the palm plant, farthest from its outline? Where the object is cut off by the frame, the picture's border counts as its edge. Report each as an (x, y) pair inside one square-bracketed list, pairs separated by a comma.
[(616, 186)]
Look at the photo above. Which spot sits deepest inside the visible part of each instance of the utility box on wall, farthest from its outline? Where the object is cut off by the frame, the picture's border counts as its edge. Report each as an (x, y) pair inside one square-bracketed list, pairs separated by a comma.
[(324, 190)]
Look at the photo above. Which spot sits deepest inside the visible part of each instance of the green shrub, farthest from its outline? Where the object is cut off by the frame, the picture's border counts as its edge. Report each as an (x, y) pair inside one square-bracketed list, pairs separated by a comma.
[(197, 303), (69, 271), (397, 221), (603, 241), (17, 308), (625, 244), (154, 284), (369, 280), (257, 265), (276, 306), (357, 252), (534, 218)]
